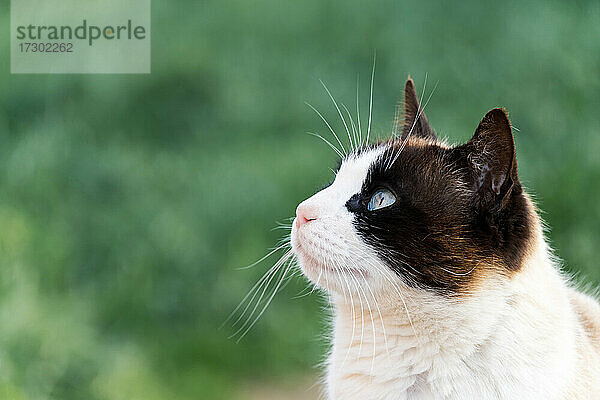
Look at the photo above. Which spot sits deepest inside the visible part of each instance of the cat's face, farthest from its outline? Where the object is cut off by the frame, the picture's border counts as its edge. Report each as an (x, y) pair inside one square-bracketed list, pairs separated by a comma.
[(413, 211)]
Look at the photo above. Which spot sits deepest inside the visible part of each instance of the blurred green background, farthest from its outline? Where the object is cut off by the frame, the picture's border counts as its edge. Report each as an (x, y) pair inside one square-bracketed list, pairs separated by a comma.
[(127, 202)]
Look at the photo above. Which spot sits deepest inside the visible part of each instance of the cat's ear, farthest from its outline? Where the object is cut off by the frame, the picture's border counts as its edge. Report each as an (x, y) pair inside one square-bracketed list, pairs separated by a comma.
[(415, 122), (492, 161)]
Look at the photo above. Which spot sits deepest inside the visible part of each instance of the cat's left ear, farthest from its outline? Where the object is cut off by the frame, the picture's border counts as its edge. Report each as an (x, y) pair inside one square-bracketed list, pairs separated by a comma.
[(492, 161), (415, 122)]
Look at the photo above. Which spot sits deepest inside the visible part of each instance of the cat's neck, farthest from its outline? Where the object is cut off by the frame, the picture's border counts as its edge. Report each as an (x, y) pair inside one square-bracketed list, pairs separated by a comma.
[(423, 337)]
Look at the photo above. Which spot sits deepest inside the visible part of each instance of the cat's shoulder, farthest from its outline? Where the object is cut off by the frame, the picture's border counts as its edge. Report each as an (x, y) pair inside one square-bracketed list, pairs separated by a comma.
[(587, 309)]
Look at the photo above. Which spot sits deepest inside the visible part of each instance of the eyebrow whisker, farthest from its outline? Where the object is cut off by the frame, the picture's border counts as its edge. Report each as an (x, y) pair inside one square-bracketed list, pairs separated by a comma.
[(338, 152), (371, 99), (340, 114), (329, 126)]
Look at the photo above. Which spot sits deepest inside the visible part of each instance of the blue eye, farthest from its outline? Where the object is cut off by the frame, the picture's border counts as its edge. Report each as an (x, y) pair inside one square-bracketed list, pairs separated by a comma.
[(381, 199)]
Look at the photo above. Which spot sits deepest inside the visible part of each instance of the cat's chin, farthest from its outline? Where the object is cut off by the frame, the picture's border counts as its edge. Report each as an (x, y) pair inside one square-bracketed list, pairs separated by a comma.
[(331, 278)]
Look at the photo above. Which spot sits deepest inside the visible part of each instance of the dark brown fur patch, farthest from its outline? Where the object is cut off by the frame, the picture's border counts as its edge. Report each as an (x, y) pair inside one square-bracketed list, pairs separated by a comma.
[(460, 213)]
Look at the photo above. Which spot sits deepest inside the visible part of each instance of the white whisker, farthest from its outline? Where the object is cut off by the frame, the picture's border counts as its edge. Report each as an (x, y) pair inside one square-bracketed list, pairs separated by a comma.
[(328, 142), (358, 112), (267, 277), (353, 126), (330, 128), (267, 303), (340, 113), (371, 100)]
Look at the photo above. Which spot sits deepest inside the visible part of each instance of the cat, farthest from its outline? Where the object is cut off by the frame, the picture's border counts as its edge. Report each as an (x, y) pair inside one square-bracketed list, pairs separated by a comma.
[(441, 281)]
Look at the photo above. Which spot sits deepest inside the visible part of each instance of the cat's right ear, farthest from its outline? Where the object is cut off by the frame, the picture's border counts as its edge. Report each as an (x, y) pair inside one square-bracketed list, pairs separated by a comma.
[(492, 161), (415, 122)]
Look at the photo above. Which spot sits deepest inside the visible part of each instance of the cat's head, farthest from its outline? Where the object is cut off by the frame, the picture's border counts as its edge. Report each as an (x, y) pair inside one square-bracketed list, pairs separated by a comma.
[(414, 211)]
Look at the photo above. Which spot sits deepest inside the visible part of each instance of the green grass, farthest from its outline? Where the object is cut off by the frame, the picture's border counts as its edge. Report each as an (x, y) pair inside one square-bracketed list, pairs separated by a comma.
[(127, 202)]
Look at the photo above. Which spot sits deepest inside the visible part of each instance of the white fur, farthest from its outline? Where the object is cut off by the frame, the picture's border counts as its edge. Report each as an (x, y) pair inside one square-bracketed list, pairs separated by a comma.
[(511, 338)]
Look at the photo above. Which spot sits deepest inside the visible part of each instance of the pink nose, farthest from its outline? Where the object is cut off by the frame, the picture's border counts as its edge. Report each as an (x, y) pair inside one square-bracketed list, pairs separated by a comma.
[(305, 213)]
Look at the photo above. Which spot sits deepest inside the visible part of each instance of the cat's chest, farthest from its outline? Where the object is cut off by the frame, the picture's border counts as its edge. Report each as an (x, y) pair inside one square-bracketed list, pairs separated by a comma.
[(428, 372), (372, 370), (396, 379)]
